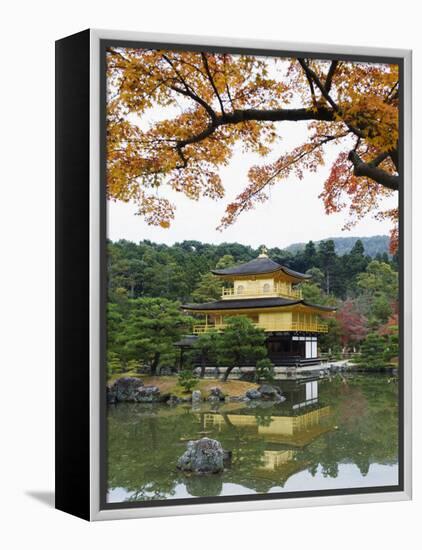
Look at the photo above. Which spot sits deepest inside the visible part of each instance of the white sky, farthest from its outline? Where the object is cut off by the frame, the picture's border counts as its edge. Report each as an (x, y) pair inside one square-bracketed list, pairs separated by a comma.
[(294, 213)]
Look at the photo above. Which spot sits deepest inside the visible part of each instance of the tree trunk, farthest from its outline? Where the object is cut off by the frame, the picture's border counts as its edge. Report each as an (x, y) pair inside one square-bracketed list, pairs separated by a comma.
[(203, 365), (155, 362), (228, 371)]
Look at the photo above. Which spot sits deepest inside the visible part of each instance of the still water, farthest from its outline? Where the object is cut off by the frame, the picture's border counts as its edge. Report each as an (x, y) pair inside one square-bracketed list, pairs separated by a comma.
[(329, 434)]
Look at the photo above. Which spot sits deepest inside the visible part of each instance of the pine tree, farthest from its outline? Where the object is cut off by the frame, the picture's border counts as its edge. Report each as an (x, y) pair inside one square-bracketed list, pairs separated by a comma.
[(372, 352), (239, 343)]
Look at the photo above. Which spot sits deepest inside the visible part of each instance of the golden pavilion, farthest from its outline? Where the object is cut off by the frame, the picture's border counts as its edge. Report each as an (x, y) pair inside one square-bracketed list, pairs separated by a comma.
[(269, 295)]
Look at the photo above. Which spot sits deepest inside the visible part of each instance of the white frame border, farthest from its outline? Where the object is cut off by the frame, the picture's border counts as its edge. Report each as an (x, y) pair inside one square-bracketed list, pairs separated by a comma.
[(125, 513)]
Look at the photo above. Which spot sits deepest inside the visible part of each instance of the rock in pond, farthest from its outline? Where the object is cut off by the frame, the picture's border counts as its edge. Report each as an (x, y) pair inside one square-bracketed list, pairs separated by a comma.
[(216, 394), (132, 389), (253, 394), (173, 400), (196, 396), (203, 456), (148, 394), (124, 389), (269, 393)]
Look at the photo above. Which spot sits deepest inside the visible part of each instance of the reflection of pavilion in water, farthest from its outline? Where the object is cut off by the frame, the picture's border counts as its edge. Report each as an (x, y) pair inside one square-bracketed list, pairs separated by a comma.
[(286, 431)]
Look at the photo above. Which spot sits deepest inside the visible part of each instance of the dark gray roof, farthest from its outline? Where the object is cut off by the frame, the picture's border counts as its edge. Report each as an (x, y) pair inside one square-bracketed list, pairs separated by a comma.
[(259, 266), (186, 341), (324, 308), (246, 303)]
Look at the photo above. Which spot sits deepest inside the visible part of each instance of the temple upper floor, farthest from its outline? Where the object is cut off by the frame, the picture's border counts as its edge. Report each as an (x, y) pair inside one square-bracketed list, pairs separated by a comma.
[(260, 287), (261, 277)]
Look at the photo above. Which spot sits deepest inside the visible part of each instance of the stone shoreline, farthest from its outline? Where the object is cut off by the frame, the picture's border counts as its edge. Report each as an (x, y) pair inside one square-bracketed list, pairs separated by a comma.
[(133, 389)]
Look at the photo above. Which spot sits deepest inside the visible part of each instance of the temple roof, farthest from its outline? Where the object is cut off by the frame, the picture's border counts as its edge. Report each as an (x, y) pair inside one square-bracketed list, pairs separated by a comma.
[(259, 266), (186, 341), (252, 303)]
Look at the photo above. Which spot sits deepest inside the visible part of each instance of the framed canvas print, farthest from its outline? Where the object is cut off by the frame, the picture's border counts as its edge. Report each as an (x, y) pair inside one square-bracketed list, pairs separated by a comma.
[(233, 274)]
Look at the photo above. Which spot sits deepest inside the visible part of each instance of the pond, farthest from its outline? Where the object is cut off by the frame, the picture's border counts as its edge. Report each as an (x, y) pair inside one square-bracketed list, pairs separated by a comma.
[(334, 433)]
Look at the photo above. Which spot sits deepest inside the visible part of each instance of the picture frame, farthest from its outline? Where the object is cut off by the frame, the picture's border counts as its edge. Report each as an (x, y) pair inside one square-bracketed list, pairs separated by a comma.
[(81, 277)]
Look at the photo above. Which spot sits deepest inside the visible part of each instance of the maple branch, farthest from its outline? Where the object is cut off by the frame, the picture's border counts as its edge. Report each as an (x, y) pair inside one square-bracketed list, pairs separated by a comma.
[(393, 93), (278, 115), (330, 74), (210, 78), (380, 158), (371, 170), (115, 52), (179, 149), (312, 74), (239, 116), (190, 93), (227, 85), (292, 161), (311, 86), (394, 156)]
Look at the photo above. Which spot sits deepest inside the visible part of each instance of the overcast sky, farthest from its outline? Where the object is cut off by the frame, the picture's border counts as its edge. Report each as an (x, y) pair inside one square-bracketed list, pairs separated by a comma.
[(294, 212)]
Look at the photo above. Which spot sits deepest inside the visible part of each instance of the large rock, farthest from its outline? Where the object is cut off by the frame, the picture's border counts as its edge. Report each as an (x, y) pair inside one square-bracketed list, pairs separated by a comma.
[(148, 394), (216, 394), (173, 400), (204, 456), (269, 393), (196, 396), (253, 393), (124, 389), (132, 389)]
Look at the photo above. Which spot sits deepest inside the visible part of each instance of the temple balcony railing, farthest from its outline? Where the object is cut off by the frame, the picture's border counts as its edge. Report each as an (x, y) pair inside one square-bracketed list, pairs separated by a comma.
[(268, 327), (283, 291)]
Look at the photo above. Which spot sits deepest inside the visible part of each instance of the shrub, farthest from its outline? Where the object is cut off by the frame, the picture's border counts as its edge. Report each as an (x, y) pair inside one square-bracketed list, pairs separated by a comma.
[(187, 380), (114, 364), (264, 370), (132, 365)]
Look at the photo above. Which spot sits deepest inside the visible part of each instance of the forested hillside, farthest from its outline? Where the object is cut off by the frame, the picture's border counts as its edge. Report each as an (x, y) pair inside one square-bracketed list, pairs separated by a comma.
[(148, 281), (174, 272), (378, 244)]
